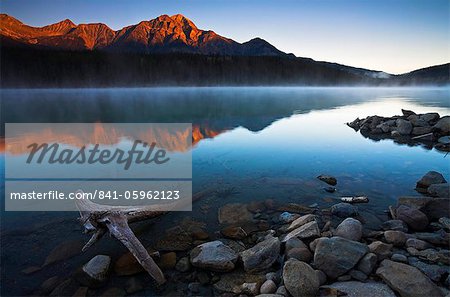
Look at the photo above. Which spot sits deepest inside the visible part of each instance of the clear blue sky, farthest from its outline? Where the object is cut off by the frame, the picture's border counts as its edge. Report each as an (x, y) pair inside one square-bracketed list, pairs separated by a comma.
[(394, 36)]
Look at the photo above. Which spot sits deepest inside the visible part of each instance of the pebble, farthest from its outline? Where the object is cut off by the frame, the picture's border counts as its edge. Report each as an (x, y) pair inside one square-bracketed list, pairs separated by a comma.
[(399, 258), (268, 287)]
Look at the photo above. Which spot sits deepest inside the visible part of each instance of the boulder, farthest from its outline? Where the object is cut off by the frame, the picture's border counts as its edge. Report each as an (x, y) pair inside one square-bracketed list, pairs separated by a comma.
[(381, 249), (336, 255), (404, 127), (416, 121), (97, 268), (430, 117), (396, 225), (308, 230), (439, 190), (406, 280), (443, 125), (417, 244), (301, 254), (350, 228), (262, 255), (421, 130), (397, 238), (301, 221), (430, 178), (407, 112), (344, 210), (367, 263), (300, 279), (433, 271), (437, 208), (414, 218), (214, 256), (359, 289), (268, 287), (358, 275), (399, 258)]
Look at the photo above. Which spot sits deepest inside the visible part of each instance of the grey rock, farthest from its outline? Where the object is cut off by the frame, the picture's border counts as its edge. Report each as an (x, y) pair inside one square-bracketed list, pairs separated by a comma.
[(301, 221), (421, 130), (293, 243), (308, 230), (414, 218), (430, 117), (301, 254), (335, 256), (445, 222), (234, 213), (183, 265), (396, 225), (437, 238), (417, 244), (262, 255), (430, 178), (97, 268), (367, 263), (381, 249), (399, 258), (282, 291), (268, 287), (214, 256), (358, 275), (444, 139), (416, 121), (407, 112), (322, 277), (406, 280), (273, 276), (436, 207), (404, 127), (433, 271), (194, 287), (300, 279), (443, 125), (344, 210), (344, 278), (397, 238), (359, 289), (439, 190), (248, 289), (350, 228)]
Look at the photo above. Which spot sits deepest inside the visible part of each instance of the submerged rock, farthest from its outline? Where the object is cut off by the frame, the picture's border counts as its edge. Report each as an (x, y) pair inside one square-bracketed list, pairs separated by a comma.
[(234, 213), (300, 279), (328, 179), (406, 280), (214, 256), (439, 190), (396, 225), (335, 256), (430, 178), (344, 210), (262, 255)]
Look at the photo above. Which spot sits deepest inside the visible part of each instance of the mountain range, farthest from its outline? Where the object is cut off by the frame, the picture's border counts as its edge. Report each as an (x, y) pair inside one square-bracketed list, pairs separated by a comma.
[(209, 57)]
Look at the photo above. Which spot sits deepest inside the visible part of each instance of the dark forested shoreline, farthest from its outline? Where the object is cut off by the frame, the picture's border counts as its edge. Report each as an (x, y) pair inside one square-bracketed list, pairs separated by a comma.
[(38, 68)]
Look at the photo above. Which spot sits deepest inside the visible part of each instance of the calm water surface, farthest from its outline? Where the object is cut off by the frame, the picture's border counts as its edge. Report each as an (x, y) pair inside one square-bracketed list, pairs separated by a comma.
[(260, 142)]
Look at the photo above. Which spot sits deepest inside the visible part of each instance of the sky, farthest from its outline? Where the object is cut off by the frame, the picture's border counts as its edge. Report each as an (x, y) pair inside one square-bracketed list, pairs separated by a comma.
[(395, 36)]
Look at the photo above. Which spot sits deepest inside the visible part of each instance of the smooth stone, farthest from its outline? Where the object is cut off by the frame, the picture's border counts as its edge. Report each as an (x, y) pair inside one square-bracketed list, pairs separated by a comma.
[(359, 289), (300, 279), (358, 275), (439, 190), (399, 258), (404, 127), (307, 230), (381, 249), (268, 287), (417, 244), (431, 177), (97, 268), (406, 280), (282, 291), (322, 277), (336, 255), (443, 125), (234, 213), (414, 218), (301, 254), (367, 263), (344, 210), (301, 221), (397, 238), (396, 225), (430, 117), (350, 229), (262, 255), (328, 179), (183, 265), (214, 256), (433, 271)]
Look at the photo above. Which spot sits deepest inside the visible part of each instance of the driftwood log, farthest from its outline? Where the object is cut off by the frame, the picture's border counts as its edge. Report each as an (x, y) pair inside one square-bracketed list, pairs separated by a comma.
[(97, 219)]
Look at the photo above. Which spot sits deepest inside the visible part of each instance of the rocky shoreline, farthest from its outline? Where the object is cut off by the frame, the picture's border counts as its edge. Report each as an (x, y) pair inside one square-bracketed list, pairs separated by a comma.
[(429, 129), (267, 249)]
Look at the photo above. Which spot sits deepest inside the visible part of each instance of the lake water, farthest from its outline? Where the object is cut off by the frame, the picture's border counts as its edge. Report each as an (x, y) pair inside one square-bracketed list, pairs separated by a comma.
[(256, 143)]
